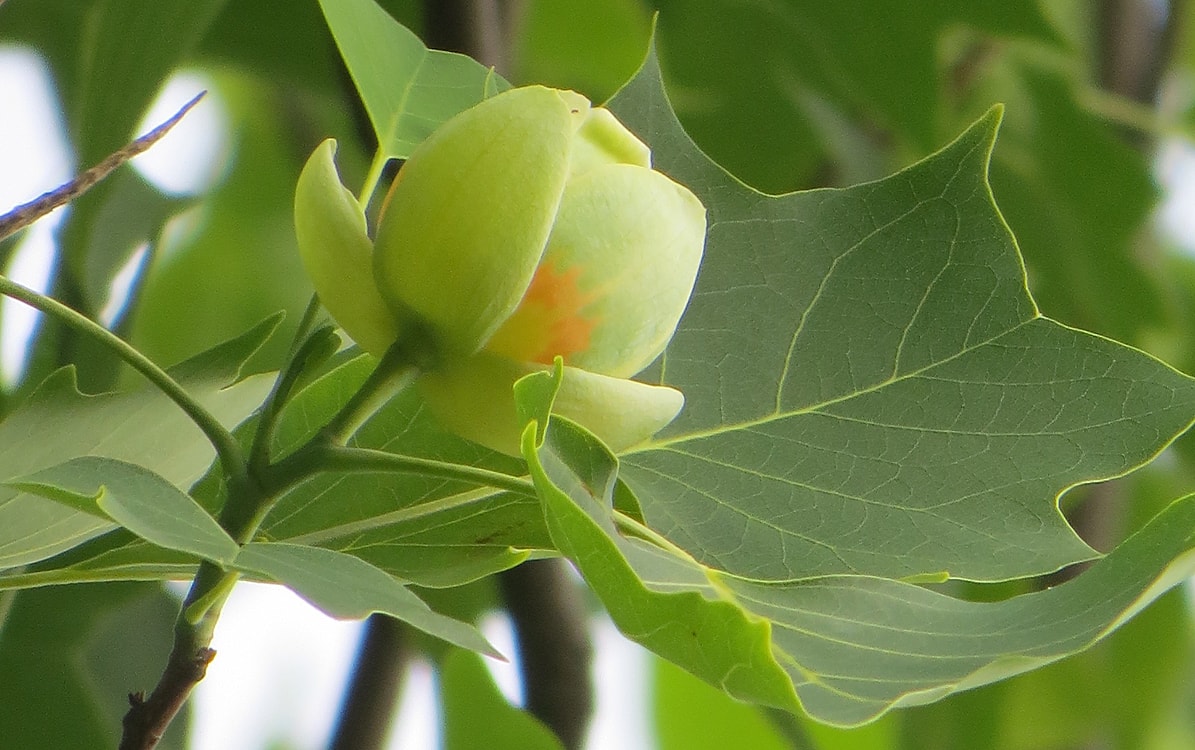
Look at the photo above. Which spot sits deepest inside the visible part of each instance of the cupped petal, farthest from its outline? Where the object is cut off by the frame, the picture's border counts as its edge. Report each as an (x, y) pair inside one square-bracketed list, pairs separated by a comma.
[(469, 216), (616, 276), (337, 254), (473, 398), (603, 140)]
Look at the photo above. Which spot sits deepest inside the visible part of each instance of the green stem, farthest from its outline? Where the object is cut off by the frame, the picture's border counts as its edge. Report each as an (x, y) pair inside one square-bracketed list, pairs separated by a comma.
[(397, 369), (380, 159), (267, 422), (201, 608), (248, 501), (649, 534), (408, 514), (227, 447), (189, 657), (302, 353), (7, 599), (317, 458), (306, 323)]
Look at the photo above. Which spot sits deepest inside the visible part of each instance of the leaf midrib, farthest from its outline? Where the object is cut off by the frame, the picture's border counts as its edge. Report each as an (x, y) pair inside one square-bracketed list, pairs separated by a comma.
[(775, 415)]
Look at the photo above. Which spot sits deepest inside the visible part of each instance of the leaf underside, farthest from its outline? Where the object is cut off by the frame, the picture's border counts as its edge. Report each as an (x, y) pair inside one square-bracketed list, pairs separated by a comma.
[(844, 648), (59, 423)]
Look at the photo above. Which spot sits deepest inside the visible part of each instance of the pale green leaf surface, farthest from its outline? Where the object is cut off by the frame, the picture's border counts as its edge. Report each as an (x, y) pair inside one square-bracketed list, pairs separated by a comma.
[(448, 541), (430, 530), (136, 498), (118, 555), (58, 423), (683, 621), (865, 644), (427, 530), (852, 647), (869, 387), (407, 89), (475, 714), (347, 587)]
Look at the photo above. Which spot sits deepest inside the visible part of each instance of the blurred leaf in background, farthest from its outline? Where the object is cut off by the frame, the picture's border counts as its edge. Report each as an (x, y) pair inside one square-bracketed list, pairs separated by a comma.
[(71, 655)]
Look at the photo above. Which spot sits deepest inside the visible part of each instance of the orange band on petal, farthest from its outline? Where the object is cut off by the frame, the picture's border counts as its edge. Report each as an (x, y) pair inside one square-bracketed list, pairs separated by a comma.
[(549, 322)]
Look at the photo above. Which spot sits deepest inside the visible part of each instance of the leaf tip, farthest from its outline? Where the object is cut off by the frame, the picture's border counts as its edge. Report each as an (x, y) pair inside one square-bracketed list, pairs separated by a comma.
[(992, 118)]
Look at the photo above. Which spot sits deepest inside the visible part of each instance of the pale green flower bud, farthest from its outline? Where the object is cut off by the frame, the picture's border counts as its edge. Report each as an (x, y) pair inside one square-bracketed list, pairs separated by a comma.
[(527, 227), (468, 219)]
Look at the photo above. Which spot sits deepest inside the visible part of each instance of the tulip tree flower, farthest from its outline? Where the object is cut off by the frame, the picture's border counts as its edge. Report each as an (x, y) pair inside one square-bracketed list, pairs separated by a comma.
[(527, 227)]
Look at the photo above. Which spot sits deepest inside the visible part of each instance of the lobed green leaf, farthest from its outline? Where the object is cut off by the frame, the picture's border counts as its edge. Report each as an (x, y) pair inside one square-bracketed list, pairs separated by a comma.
[(848, 647), (869, 386)]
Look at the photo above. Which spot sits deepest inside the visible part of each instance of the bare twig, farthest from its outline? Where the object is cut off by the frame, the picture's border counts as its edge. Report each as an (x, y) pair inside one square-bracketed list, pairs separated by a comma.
[(147, 719), (27, 213)]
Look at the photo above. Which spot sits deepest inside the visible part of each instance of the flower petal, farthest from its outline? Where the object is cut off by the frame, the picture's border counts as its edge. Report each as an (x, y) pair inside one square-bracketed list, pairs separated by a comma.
[(337, 254), (468, 218), (616, 276), (604, 140), (473, 398)]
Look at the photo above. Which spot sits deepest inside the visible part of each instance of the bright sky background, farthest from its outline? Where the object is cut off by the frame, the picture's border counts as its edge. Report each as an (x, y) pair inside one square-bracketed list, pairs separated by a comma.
[(281, 664)]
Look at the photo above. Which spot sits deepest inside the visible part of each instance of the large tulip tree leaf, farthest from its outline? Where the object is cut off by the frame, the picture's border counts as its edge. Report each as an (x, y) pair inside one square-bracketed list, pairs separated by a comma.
[(870, 388), (870, 392), (847, 647)]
